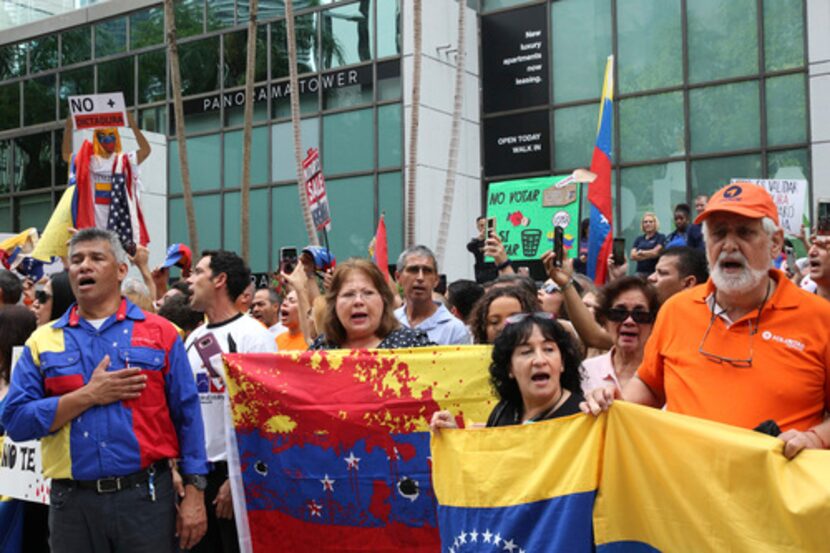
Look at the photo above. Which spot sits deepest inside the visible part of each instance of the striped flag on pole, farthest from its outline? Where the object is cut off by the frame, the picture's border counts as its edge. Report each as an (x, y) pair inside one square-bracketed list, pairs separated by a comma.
[(600, 233)]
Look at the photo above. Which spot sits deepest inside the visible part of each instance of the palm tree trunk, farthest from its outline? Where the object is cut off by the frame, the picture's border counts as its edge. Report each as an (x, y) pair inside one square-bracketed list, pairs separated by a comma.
[(245, 200), (412, 161), (295, 121), (455, 138), (178, 110)]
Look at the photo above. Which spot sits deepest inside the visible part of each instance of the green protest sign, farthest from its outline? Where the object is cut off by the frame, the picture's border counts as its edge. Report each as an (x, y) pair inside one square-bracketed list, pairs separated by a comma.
[(526, 211)]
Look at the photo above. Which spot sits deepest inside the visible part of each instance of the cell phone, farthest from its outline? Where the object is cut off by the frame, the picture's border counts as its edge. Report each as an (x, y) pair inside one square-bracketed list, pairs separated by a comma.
[(558, 245), (791, 261), (207, 347), (823, 226), (491, 227), (618, 249), (288, 258)]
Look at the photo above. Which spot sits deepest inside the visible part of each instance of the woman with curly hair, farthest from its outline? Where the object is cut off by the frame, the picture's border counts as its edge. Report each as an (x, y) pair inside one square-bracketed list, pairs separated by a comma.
[(492, 310), (534, 372)]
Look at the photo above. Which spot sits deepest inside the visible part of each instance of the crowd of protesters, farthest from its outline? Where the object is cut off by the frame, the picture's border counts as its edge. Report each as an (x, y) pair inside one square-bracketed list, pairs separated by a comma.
[(703, 303)]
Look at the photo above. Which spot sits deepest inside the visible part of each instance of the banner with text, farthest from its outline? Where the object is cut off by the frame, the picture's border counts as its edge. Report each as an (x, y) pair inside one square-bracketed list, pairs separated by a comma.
[(789, 196), (98, 110)]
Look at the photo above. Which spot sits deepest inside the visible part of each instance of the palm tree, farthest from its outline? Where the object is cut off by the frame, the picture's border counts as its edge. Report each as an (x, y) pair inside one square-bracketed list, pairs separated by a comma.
[(455, 135), (413, 123), (250, 65), (295, 120), (178, 110)]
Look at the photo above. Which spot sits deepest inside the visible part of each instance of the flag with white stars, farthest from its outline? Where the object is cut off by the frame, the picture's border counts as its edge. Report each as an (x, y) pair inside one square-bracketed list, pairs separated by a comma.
[(334, 445), (120, 219)]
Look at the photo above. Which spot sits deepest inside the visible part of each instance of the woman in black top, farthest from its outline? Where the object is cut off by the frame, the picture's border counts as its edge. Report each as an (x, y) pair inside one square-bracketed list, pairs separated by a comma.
[(534, 371)]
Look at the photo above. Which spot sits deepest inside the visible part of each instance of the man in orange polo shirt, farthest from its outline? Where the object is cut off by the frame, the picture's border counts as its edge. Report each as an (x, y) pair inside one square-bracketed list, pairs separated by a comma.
[(745, 347)]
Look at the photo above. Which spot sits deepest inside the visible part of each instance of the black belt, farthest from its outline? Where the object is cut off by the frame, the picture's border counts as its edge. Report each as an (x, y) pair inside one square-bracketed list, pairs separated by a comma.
[(118, 483)]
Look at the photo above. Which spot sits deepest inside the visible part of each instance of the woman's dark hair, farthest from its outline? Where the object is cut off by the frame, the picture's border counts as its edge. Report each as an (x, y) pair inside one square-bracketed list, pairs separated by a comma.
[(609, 293), (62, 296), (177, 310), (16, 324), (516, 334), (478, 317), (333, 329)]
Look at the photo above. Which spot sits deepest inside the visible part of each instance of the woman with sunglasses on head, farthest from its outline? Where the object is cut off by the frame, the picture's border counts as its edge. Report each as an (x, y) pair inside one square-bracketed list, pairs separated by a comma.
[(534, 371), (491, 311), (627, 308)]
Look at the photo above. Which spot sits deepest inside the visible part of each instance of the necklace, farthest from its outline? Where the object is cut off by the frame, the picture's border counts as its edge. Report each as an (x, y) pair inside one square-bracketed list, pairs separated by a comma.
[(559, 401)]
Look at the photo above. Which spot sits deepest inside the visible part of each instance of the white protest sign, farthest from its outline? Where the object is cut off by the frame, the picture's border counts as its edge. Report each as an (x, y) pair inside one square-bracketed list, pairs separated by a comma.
[(789, 196), (21, 468), (98, 110)]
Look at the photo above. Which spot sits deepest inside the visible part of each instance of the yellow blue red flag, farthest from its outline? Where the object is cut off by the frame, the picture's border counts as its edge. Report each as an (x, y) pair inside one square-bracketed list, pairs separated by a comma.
[(334, 446), (601, 212)]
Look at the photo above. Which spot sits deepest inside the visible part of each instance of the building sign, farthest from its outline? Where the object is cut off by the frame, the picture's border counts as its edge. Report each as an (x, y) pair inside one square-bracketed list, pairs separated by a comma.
[(517, 143), (526, 211), (789, 196), (98, 110), (514, 59), (308, 85), (315, 190)]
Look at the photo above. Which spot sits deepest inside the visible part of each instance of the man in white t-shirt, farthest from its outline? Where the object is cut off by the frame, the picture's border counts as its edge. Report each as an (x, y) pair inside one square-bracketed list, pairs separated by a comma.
[(215, 283)]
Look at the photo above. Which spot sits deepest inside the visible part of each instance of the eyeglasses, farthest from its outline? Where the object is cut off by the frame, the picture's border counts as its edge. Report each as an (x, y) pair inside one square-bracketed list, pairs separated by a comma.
[(519, 317), (738, 363), (620, 314), (42, 296), (551, 288)]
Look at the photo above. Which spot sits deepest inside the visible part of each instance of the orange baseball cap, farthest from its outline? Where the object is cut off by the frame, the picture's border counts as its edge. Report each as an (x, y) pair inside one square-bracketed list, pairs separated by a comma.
[(741, 198)]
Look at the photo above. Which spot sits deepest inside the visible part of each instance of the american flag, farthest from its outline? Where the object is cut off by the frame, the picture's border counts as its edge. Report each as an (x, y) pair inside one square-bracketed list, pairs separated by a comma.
[(120, 220)]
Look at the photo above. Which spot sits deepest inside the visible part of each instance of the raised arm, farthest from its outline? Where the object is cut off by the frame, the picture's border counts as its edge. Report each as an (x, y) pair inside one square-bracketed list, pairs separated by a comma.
[(66, 144), (143, 146)]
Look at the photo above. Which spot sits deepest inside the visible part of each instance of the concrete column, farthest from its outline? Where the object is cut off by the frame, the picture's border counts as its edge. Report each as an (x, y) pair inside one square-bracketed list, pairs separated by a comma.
[(818, 58)]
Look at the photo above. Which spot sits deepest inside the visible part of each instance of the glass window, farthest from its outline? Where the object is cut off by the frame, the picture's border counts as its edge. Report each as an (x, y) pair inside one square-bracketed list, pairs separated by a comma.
[(347, 142), (233, 157), (33, 161), (10, 106), (208, 215), (39, 100), (574, 135), (198, 122), (783, 34), (346, 35), (723, 39), (283, 165), (234, 60), (199, 64), (190, 17), (6, 215), (305, 29), (389, 80), (488, 5), (43, 53), (118, 76), (203, 156), (786, 110), (152, 68), (111, 37), (579, 61), (235, 115), (33, 211), (266, 9), (147, 28), (76, 46), (724, 117), (309, 101), (220, 15), (389, 28), (352, 214), (12, 61), (652, 127), (390, 203), (74, 82), (347, 96), (389, 135), (287, 218), (656, 188), (710, 175), (5, 173), (650, 44), (258, 227), (789, 164), (153, 119), (61, 168)]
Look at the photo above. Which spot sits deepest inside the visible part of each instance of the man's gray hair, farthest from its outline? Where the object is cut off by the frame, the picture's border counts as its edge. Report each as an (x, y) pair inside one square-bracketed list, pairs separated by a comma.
[(92, 234), (419, 250)]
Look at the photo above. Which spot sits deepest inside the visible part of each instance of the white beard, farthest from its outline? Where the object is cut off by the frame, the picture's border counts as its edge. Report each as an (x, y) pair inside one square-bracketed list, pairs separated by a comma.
[(743, 281)]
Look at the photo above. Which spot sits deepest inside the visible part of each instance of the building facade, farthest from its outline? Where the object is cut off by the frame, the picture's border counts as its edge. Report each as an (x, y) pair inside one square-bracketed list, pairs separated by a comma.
[(706, 90)]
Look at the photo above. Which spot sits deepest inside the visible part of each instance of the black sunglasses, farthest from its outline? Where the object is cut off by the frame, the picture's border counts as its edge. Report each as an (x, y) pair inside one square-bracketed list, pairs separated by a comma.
[(42, 296), (620, 314)]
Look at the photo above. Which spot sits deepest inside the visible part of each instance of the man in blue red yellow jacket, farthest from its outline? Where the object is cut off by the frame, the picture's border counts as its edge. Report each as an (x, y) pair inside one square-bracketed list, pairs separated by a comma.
[(109, 390)]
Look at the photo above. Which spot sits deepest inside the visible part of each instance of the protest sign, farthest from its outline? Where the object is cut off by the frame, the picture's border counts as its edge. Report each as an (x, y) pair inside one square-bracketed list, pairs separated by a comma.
[(21, 467), (98, 110), (526, 211), (315, 190), (789, 196)]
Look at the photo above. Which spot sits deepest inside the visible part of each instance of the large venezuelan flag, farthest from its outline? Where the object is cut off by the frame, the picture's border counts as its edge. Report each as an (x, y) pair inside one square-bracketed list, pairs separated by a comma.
[(600, 236), (334, 446)]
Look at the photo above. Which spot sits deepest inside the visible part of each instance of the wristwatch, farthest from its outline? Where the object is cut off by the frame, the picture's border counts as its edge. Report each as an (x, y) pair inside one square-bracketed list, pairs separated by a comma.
[(198, 481)]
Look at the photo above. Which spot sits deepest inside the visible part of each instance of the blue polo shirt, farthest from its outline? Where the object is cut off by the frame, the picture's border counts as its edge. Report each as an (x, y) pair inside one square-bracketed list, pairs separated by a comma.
[(443, 328)]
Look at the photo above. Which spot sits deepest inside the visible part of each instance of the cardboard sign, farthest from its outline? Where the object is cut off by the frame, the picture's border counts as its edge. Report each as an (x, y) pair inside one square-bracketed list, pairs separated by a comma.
[(98, 110), (315, 190), (21, 467), (789, 196), (526, 211)]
